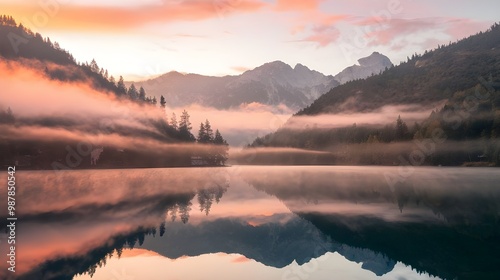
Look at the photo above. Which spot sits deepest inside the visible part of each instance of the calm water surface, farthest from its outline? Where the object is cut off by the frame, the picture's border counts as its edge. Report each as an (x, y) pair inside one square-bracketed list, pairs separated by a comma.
[(253, 222)]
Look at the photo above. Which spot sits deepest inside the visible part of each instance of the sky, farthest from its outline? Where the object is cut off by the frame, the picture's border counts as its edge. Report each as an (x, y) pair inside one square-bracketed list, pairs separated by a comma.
[(140, 39)]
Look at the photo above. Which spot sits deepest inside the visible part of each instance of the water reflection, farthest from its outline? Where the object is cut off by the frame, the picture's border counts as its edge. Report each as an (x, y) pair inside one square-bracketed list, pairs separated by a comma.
[(447, 223), (69, 220), (444, 222)]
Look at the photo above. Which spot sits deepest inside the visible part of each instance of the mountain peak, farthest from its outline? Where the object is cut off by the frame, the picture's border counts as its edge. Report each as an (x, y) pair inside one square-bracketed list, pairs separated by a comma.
[(299, 67), (375, 59), (369, 65), (277, 64)]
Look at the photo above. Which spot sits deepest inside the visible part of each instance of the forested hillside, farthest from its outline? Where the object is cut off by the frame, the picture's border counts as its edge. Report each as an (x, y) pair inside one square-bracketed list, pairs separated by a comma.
[(111, 126), (423, 79), (464, 75)]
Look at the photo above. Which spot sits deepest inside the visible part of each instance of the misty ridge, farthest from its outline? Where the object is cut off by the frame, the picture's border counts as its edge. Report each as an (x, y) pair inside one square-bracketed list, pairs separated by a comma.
[(60, 112)]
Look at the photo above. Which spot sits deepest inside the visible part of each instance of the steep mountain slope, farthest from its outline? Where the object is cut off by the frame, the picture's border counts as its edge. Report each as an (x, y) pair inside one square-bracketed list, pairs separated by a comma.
[(272, 83), (423, 79)]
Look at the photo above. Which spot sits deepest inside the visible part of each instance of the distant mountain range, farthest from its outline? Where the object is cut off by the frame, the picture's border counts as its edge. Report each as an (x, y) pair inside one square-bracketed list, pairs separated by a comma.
[(272, 244), (273, 83)]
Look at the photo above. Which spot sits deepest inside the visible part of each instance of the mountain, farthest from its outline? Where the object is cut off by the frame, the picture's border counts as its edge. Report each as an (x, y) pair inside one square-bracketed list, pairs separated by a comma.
[(273, 83), (423, 79), (460, 82), (273, 244), (372, 64)]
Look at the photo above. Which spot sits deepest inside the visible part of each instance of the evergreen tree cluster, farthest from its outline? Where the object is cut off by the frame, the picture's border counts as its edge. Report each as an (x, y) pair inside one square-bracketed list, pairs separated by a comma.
[(218, 148), (119, 88)]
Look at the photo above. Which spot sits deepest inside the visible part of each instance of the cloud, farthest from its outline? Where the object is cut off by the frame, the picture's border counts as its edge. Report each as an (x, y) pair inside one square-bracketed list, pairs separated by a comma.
[(297, 5), (185, 35), (310, 22), (459, 28), (323, 36), (119, 18), (240, 69), (426, 32), (383, 33)]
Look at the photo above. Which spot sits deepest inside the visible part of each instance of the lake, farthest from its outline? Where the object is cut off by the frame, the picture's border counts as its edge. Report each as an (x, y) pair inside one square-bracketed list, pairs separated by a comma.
[(256, 222)]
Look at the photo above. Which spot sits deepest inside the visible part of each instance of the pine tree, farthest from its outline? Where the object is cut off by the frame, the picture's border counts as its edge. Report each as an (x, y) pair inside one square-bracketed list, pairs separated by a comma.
[(173, 121), (401, 129), (209, 132), (184, 123), (122, 90), (221, 149), (94, 67), (184, 209), (202, 134), (163, 102), (162, 229), (185, 128), (132, 92), (142, 94)]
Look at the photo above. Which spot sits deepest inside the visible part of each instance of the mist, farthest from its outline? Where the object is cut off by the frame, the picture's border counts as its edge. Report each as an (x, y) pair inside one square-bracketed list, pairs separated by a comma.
[(382, 116), (240, 126), (48, 111), (52, 110), (419, 152)]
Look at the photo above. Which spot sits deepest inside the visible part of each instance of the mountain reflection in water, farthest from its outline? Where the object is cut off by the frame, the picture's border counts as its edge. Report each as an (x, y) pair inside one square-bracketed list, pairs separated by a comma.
[(442, 222)]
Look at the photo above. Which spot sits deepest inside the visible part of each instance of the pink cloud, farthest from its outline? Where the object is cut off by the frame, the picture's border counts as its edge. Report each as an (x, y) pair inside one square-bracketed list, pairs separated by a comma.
[(390, 31), (240, 69), (385, 32), (108, 18), (459, 28), (323, 36), (297, 5), (321, 28)]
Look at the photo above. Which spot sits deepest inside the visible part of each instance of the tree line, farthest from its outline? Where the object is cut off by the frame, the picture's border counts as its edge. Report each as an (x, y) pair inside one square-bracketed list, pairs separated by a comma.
[(215, 151)]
